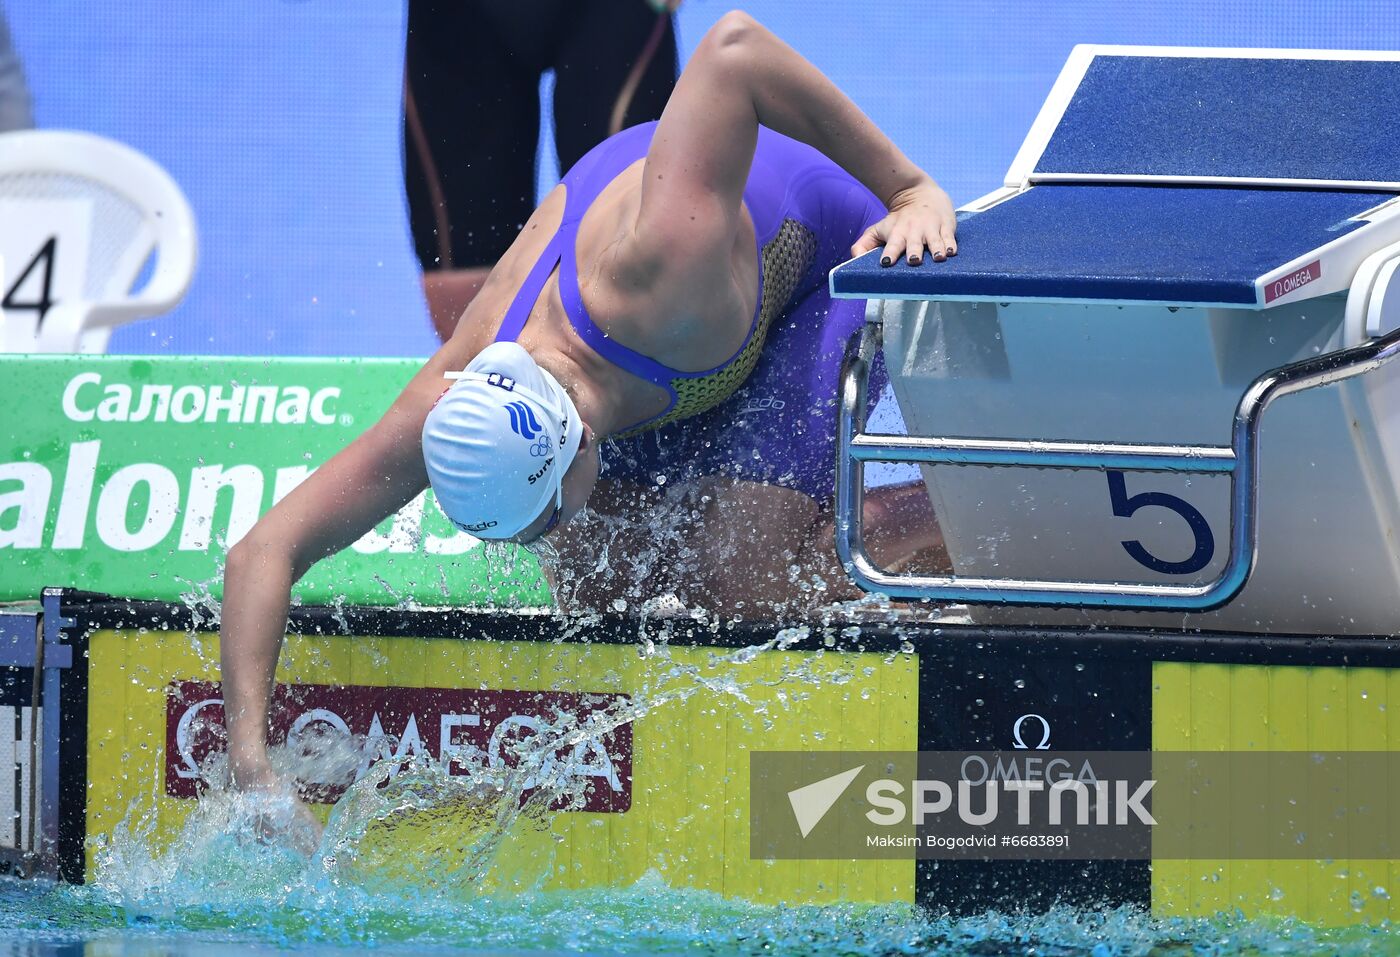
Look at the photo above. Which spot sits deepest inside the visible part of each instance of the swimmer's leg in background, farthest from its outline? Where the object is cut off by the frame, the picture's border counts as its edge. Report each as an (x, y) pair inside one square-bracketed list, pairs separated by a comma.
[(596, 54), (730, 546), (471, 127), (773, 549), (900, 531), (16, 104), (754, 553)]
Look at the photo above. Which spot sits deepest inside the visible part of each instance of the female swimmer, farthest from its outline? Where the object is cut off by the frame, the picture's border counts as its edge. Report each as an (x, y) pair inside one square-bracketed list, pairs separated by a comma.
[(670, 294)]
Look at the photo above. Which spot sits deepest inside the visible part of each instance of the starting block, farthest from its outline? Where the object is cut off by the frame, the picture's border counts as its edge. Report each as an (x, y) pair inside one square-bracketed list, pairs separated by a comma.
[(1186, 236)]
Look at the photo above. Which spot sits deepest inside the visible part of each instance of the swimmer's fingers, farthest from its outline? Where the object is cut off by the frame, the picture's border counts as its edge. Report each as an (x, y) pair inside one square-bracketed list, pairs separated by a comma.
[(928, 212), (872, 238), (933, 239), (948, 238), (938, 237), (914, 246), (928, 228), (894, 245)]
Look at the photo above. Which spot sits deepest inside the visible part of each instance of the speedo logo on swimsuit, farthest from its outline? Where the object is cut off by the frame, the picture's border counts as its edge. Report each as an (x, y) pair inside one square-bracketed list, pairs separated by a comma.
[(542, 469), (522, 420), (762, 405)]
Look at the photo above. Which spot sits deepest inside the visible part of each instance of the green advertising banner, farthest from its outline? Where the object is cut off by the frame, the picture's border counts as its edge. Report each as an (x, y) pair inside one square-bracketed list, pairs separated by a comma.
[(132, 476)]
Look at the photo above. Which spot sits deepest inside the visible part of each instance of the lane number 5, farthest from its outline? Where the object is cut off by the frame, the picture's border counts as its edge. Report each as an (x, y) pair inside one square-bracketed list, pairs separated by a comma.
[(1124, 505)]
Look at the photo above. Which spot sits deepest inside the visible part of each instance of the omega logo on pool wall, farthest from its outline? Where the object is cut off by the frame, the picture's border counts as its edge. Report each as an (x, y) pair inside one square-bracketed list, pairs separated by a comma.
[(464, 728), (1030, 724)]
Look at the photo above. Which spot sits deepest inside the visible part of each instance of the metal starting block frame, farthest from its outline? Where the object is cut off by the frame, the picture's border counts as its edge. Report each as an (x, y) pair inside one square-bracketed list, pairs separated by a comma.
[(1239, 460), (1157, 180)]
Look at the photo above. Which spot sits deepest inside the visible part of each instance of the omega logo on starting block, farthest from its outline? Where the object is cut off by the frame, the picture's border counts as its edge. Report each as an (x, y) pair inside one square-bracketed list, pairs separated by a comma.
[(1292, 283)]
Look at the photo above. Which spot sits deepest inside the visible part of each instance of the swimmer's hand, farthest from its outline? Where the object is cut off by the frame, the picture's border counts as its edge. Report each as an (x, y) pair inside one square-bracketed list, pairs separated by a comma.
[(276, 815), (920, 217), (287, 821)]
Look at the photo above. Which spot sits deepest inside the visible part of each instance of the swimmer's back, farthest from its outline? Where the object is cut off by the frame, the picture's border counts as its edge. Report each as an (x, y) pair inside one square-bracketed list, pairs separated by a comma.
[(788, 182), (615, 289), (684, 363)]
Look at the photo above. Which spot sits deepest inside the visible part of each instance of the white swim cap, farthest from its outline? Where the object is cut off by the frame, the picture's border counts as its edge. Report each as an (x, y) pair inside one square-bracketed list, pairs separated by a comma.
[(499, 441)]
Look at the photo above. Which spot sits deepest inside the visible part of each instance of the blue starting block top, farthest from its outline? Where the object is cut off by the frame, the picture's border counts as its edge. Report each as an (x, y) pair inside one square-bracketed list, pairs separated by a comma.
[(1175, 175), (1196, 245), (1220, 116)]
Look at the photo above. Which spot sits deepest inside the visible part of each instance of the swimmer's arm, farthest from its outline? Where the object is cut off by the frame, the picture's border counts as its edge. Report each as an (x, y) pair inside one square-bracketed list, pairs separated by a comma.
[(368, 480), (742, 76)]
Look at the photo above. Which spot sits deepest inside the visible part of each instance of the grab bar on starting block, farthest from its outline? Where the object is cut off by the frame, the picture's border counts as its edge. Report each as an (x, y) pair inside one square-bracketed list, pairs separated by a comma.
[(1239, 460)]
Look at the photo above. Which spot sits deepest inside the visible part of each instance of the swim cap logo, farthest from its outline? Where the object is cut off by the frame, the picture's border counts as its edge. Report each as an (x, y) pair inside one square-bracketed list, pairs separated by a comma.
[(542, 469), (540, 448), (522, 420)]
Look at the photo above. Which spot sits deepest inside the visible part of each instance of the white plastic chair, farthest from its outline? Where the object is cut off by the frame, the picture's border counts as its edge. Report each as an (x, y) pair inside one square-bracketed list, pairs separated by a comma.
[(80, 216)]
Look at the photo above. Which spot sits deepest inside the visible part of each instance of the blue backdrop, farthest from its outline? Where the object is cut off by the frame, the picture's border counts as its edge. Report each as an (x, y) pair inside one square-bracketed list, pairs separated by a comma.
[(280, 118)]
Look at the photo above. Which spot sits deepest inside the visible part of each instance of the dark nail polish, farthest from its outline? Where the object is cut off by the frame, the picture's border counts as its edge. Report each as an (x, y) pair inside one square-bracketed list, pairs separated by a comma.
[(914, 260), (885, 261)]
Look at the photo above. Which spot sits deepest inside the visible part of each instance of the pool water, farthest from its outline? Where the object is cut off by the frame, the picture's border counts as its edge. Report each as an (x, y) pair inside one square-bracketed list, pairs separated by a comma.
[(221, 886), (215, 891), (281, 910)]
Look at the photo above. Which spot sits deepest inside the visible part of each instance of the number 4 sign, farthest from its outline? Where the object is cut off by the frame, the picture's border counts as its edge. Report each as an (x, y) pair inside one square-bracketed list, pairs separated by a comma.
[(44, 246)]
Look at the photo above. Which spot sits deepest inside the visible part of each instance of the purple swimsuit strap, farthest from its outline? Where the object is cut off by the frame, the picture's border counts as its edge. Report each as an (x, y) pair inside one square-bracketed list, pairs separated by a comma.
[(582, 185), (629, 360), (561, 252), (519, 312)]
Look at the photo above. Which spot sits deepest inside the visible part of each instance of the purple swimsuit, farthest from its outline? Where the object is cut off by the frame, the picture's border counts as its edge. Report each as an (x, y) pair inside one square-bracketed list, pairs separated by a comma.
[(767, 414)]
